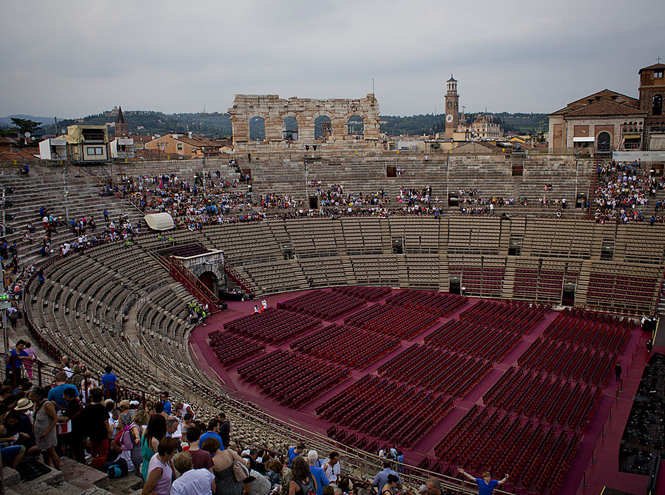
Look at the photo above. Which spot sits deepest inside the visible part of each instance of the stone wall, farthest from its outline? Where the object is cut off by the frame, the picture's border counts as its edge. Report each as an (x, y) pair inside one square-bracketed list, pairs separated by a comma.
[(273, 110)]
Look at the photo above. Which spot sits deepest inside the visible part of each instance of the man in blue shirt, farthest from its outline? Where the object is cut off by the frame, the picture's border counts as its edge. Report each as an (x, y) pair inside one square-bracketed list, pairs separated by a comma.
[(317, 472), (56, 393), (295, 452), (486, 484), (164, 398), (382, 477), (213, 432), (109, 382)]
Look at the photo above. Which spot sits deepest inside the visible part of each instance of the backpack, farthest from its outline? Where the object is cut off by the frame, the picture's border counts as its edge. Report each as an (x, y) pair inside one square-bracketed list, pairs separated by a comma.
[(116, 469), (307, 489), (122, 440)]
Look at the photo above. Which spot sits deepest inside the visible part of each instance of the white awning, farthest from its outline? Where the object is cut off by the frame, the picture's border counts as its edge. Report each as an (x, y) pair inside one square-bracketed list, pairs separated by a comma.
[(159, 221), (585, 139)]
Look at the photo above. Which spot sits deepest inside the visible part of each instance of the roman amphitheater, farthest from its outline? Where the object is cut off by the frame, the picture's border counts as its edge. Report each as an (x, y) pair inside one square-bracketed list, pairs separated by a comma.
[(466, 336)]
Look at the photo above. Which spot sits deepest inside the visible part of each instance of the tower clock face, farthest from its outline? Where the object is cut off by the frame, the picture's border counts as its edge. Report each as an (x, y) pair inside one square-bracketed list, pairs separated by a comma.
[(449, 118)]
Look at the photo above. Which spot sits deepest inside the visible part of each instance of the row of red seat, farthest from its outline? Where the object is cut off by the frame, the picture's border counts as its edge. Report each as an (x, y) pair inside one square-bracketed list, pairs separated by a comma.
[(323, 304), (388, 411), (230, 348), (272, 325), (400, 322), (514, 316), (608, 334), (532, 454), (292, 378), (440, 304), (555, 401), (352, 439), (436, 370), (469, 337), (565, 360), (364, 293), (353, 347)]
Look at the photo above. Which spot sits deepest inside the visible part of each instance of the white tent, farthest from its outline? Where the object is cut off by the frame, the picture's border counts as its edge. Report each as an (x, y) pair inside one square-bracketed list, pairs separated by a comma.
[(159, 221)]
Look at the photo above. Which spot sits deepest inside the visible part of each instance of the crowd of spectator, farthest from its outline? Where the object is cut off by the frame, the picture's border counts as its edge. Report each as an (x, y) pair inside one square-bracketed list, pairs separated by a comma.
[(82, 416), (335, 195), (623, 192)]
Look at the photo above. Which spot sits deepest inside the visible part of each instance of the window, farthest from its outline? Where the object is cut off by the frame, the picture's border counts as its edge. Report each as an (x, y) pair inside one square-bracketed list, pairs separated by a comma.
[(94, 150), (657, 107)]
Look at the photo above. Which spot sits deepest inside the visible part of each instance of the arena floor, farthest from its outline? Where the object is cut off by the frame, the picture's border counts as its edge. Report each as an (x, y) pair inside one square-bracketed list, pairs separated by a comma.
[(595, 464)]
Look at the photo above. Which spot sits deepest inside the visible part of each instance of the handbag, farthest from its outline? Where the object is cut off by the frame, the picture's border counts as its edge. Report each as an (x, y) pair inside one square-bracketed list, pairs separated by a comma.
[(240, 471), (63, 428)]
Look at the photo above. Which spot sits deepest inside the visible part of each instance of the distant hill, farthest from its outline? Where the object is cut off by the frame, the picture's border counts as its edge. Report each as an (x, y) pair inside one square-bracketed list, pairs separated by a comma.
[(418, 125), (146, 122), (218, 125)]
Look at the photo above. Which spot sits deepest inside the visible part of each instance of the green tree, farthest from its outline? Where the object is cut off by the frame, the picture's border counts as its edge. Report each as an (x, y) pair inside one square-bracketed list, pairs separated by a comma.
[(26, 125)]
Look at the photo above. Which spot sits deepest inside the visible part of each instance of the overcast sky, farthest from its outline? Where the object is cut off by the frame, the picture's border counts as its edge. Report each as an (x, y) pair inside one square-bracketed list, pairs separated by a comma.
[(77, 58)]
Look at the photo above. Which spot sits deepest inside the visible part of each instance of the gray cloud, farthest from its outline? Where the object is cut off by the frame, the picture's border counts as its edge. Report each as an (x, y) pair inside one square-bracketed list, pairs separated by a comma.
[(83, 57)]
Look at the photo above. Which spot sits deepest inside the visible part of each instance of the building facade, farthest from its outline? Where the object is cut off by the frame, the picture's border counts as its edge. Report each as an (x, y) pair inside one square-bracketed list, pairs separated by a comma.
[(608, 121)]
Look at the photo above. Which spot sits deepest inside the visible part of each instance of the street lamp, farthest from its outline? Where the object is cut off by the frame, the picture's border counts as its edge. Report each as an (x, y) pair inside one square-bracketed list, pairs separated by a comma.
[(65, 193)]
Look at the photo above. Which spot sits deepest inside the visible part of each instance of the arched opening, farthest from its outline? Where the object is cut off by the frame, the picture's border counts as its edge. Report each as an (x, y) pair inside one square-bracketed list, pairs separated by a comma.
[(604, 142), (322, 127), (356, 127), (257, 129), (657, 106), (209, 279), (290, 129)]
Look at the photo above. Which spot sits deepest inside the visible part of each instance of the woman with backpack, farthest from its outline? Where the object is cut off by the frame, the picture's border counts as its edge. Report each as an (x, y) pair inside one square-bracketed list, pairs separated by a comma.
[(303, 482)]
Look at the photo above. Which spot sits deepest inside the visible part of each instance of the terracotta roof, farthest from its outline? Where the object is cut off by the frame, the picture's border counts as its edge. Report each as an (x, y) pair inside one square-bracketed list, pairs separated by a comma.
[(605, 108), (652, 67)]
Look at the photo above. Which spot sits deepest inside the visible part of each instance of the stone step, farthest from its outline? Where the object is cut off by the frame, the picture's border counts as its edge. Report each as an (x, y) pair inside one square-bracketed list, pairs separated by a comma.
[(83, 476)]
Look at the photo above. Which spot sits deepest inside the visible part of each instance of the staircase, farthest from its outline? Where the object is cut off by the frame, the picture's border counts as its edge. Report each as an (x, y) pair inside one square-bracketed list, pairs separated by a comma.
[(191, 282), (509, 278), (239, 280)]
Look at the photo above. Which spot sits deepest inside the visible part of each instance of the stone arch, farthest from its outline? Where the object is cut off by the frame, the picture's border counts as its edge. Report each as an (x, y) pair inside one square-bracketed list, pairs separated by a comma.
[(203, 267), (323, 127), (214, 275), (290, 128), (257, 128), (604, 141), (355, 125), (657, 105), (210, 280)]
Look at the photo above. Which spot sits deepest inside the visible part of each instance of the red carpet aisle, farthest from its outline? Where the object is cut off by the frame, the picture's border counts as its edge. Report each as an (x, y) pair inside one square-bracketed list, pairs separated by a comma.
[(605, 470)]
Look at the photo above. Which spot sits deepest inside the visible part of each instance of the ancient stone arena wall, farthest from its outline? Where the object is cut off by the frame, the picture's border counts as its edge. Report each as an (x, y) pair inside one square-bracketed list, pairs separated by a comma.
[(336, 133)]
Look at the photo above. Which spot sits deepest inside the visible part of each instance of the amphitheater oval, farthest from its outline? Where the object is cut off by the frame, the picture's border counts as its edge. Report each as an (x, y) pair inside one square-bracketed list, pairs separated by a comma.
[(72, 306)]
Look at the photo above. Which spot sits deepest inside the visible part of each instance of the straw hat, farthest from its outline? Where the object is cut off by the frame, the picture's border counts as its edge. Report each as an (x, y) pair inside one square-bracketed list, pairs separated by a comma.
[(23, 404)]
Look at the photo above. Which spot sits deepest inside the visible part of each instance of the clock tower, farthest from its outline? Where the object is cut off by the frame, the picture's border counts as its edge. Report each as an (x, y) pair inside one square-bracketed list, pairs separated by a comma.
[(452, 107)]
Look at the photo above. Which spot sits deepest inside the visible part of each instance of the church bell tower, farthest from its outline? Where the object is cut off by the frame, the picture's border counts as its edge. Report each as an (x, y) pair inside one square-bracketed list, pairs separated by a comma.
[(452, 107)]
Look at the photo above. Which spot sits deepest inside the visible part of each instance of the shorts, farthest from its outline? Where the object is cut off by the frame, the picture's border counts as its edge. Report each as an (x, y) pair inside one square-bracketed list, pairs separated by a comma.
[(8, 453)]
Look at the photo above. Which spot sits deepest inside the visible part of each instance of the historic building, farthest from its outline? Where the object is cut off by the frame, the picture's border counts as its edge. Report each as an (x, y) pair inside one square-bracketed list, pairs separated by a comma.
[(608, 121), (652, 90)]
